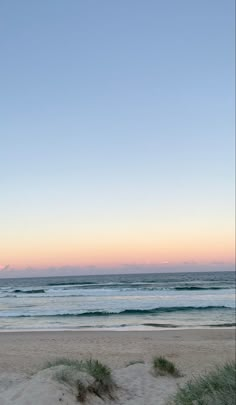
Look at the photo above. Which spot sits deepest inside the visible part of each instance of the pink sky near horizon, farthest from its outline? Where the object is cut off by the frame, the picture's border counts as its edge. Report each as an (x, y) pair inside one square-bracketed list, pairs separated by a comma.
[(117, 250)]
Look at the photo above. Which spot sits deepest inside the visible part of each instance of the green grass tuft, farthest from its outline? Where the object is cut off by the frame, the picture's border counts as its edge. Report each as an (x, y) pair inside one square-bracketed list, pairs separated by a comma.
[(102, 385), (102, 375), (162, 366), (63, 361), (218, 387), (97, 370)]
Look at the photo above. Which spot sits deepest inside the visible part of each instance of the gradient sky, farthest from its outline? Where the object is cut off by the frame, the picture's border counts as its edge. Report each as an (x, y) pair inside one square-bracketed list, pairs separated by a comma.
[(117, 132)]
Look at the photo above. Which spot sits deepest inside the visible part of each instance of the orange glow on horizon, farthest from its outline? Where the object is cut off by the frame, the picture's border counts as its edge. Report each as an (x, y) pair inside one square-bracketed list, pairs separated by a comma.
[(115, 251)]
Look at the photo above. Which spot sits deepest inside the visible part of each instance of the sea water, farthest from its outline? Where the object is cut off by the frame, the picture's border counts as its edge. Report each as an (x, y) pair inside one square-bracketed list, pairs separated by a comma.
[(120, 302)]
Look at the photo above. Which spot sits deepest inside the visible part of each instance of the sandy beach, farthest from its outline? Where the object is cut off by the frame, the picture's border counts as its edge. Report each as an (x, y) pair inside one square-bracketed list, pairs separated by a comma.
[(23, 354)]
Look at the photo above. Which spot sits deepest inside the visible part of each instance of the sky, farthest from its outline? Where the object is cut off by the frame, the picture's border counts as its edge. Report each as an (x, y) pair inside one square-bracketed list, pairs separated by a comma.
[(116, 133)]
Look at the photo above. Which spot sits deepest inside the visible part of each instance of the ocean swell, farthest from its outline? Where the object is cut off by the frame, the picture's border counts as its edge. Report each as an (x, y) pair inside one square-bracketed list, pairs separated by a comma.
[(126, 312), (29, 291)]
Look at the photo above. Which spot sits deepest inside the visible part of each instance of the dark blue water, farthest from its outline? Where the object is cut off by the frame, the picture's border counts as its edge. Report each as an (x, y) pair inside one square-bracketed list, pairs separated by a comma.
[(137, 301)]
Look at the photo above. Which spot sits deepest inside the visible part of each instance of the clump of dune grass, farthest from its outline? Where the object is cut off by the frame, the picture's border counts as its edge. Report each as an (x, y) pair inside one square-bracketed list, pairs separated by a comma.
[(63, 361), (99, 380), (162, 366), (218, 387), (102, 375)]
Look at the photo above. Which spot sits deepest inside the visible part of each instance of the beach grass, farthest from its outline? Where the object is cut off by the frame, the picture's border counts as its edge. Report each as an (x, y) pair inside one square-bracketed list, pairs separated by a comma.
[(99, 380), (218, 387), (64, 361), (102, 375), (162, 366)]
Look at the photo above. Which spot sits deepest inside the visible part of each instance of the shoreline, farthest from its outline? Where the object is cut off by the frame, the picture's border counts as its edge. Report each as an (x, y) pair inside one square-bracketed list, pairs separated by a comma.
[(135, 329)]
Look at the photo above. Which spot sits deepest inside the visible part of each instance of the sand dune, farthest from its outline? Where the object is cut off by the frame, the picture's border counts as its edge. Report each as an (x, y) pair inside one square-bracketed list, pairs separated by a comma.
[(23, 382), (135, 384)]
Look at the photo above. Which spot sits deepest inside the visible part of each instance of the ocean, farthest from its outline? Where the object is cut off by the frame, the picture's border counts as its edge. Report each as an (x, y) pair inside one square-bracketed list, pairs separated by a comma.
[(118, 302)]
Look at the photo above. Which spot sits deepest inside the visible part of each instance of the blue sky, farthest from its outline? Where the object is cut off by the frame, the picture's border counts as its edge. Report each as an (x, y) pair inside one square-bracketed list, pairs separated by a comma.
[(117, 120)]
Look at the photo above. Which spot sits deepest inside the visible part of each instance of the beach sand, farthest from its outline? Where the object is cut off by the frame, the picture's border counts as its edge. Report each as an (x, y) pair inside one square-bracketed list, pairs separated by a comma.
[(23, 354)]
